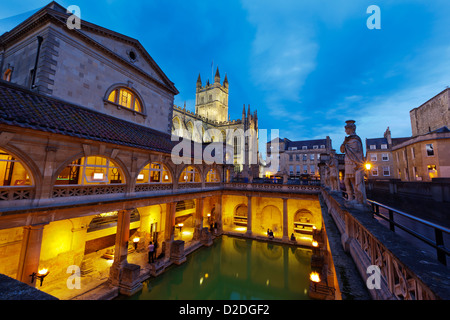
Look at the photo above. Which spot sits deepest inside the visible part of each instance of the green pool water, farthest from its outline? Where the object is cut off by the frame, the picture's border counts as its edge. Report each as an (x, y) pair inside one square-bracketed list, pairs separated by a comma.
[(234, 269)]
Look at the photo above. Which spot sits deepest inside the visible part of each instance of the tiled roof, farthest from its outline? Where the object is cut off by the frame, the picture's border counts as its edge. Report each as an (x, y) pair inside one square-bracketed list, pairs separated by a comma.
[(24, 108), (308, 143)]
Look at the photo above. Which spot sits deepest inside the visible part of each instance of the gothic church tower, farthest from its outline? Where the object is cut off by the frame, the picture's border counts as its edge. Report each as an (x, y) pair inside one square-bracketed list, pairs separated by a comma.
[(211, 101)]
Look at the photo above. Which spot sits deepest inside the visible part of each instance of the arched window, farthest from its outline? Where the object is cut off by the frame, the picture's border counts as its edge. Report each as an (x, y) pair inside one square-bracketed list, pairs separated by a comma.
[(12, 172), (212, 176), (154, 173), (90, 170), (125, 98), (190, 175), (176, 127)]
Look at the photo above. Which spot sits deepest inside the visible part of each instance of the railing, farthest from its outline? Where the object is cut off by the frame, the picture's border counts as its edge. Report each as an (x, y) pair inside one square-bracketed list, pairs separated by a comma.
[(437, 244), (89, 190)]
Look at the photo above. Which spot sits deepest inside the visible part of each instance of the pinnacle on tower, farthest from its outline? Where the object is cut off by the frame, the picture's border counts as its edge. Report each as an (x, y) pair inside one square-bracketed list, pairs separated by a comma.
[(199, 81), (217, 76), (225, 81)]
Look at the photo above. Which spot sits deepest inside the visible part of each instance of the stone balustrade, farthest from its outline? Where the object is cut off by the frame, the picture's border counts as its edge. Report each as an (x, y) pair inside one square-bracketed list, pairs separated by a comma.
[(406, 273)]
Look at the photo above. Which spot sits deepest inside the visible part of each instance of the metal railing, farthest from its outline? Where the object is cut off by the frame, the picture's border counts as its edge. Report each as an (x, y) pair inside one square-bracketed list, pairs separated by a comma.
[(437, 244)]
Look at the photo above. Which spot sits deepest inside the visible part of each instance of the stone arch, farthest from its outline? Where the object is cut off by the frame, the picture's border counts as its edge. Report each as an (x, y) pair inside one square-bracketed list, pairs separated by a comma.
[(176, 126), (197, 168), (164, 168), (304, 216), (27, 164)]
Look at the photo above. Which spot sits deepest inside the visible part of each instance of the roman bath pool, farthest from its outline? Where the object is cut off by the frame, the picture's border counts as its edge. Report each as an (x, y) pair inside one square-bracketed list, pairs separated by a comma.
[(234, 269)]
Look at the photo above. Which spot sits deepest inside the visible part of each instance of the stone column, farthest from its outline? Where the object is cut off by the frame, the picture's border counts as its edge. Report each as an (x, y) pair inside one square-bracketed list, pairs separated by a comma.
[(219, 215), (285, 220), (30, 253), (249, 216), (123, 274)]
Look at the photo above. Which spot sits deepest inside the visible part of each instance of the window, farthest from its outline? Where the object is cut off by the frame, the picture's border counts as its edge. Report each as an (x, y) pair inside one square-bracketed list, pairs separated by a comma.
[(413, 152), (312, 169), (212, 176), (154, 173), (322, 146), (305, 157), (90, 170), (291, 157), (291, 170), (311, 157), (7, 75), (430, 150), (12, 172), (372, 147), (386, 171), (304, 148), (385, 157), (125, 98), (297, 157), (305, 169), (298, 169), (315, 147), (190, 175), (384, 146), (373, 157), (292, 148), (375, 171)]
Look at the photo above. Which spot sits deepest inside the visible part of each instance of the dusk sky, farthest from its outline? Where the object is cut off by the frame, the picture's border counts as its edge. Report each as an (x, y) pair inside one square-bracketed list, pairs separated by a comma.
[(306, 66)]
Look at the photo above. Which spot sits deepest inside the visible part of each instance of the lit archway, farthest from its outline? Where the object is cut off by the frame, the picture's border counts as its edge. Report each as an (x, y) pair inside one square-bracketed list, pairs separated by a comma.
[(154, 172), (190, 174)]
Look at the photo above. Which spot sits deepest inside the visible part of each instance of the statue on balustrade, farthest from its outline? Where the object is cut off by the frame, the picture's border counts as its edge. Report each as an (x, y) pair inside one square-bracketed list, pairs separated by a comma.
[(333, 175), (354, 166)]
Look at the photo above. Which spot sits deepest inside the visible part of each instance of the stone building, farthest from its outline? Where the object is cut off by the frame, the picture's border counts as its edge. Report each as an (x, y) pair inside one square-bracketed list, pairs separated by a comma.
[(423, 157), (432, 115), (379, 155), (299, 158), (211, 122)]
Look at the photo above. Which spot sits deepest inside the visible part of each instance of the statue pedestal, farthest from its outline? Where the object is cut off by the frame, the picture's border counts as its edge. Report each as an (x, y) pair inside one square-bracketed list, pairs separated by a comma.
[(177, 255)]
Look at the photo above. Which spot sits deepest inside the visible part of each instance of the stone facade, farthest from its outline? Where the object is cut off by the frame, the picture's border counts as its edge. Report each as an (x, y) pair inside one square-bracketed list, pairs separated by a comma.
[(84, 66), (211, 122), (299, 158)]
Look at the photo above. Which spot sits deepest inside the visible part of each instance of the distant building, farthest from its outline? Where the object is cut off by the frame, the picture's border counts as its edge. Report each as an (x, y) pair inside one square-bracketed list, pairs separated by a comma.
[(379, 155), (299, 158), (423, 157)]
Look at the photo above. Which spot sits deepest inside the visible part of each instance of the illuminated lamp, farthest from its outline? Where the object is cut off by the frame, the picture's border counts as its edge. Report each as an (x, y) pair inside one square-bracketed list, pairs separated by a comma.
[(314, 277), (97, 176), (135, 242), (140, 176)]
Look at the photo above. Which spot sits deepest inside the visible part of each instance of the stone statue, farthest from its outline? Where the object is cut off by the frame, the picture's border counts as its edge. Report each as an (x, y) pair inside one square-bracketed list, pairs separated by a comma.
[(354, 165), (333, 165)]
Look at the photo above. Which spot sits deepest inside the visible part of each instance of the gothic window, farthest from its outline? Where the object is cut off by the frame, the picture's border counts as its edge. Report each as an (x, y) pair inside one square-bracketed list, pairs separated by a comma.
[(12, 172), (90, 170), (7, 75), (430, 150), (154, 173), (125, 98)]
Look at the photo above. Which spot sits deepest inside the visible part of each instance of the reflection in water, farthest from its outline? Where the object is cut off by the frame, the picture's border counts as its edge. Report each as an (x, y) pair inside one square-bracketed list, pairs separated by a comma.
[(234, 269)]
